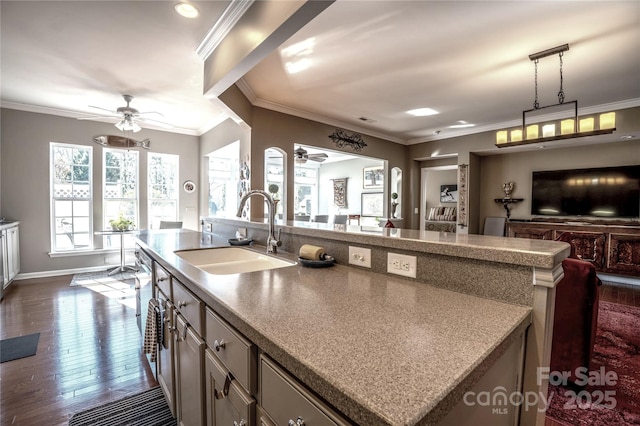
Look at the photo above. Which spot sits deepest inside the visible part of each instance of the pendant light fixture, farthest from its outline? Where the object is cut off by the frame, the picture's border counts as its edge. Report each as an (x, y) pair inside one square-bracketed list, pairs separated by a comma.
[(555, 129)]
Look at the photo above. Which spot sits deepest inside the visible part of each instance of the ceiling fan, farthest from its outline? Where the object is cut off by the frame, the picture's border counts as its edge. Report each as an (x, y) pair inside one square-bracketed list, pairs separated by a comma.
[(128, 117), (301, 156)]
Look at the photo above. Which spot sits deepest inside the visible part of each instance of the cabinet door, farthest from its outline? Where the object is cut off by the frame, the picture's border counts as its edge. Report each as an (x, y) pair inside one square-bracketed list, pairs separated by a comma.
[(590, 247), (287, 402), (165, 358), (624, 254), (13, 252), (189, 374), (227, 403), (531, 232)]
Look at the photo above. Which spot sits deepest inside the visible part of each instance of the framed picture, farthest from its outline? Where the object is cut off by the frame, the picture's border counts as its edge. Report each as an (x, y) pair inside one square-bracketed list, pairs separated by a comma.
[(372, 204), (448, 193), (373, 177)]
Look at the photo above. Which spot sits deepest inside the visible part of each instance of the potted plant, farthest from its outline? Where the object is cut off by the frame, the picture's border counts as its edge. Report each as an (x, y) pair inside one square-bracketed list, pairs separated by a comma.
[(273, 190), (121, 224)]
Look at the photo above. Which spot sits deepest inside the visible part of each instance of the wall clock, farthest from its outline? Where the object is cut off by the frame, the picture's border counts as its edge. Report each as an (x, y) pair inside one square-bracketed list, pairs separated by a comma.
[(189, 186)]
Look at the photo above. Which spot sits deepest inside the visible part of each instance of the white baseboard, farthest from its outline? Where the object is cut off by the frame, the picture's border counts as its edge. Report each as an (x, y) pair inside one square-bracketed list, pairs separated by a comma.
[(56, 273)]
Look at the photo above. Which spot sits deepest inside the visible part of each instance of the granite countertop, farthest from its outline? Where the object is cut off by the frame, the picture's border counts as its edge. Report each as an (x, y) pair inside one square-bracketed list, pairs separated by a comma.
[(383, 350)]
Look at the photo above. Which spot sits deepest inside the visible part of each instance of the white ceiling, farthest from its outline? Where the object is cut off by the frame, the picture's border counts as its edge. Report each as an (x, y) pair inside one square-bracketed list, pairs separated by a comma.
[(375, 59)]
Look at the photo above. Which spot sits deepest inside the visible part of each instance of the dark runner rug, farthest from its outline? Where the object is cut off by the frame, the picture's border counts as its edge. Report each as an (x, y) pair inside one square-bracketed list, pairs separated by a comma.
[(18, 347), (143, 409), (616, 349)]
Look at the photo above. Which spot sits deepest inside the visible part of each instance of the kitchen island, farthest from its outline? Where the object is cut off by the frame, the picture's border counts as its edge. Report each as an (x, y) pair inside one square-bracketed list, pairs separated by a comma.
[(379, 349)]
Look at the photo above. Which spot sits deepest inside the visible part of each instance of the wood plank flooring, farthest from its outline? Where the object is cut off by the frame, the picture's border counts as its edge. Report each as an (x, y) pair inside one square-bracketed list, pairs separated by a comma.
[(89, 351)]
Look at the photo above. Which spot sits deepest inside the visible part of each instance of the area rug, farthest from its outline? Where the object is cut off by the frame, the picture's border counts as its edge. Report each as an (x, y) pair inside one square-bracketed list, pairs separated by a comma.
[(145, 408), (19, 347), (616, 349), (100, 277)]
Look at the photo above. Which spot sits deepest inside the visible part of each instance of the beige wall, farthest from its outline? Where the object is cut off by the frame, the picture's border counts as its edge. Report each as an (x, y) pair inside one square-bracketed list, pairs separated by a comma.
[(518, 167), (25, 180), (274, 129), (434, 179)]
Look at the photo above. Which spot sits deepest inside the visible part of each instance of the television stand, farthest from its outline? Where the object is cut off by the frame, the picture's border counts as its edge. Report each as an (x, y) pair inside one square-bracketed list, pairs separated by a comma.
[(611, 248)]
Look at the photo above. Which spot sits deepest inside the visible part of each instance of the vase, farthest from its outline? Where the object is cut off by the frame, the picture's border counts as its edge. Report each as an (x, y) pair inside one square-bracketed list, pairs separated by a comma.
[(394, 206)]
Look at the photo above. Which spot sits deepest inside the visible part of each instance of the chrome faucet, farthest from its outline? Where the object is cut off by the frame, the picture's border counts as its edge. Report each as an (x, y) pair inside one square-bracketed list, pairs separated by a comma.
[(272, 242)]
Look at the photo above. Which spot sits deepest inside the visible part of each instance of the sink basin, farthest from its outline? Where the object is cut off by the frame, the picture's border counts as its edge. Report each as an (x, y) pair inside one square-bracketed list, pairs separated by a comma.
[(231, 260)]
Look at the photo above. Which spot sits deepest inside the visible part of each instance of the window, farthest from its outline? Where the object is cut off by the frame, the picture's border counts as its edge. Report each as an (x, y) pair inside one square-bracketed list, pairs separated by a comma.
[(71, 197), (223, 180), (163, 188), (120, 189), (306, 190)]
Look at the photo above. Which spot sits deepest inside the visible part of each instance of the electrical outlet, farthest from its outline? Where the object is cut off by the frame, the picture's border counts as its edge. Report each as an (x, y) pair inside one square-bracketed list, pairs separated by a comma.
[(360, 256), (242, 233), (401, 264)]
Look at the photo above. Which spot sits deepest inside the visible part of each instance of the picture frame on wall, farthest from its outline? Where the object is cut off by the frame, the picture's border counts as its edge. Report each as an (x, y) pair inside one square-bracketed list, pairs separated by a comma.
[(448, 193), (372, 204), (373, 177)]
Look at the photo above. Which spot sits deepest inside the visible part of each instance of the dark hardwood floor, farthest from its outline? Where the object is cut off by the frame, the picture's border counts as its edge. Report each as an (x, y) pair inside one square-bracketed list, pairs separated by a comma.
[(89, 351)]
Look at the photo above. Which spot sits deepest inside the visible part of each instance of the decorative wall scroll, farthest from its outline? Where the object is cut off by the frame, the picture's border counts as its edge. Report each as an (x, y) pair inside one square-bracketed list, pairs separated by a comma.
[(463, 194), (340, 192), (342, 139)]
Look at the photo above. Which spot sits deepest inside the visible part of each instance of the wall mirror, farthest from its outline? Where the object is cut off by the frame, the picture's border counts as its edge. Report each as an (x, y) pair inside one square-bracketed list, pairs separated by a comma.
[(315, 179)]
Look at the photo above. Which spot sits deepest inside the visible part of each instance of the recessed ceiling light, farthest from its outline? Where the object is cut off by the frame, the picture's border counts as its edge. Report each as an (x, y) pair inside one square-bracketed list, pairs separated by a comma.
[(422, 112), (187, 10), (461, 125)]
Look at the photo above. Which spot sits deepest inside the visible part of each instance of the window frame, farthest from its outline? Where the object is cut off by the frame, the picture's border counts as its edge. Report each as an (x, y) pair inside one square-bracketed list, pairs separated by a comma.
[(53, 199)]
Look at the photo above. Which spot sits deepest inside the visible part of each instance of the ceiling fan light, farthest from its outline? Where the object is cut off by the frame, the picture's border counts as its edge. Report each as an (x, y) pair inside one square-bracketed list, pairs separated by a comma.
[(120, 125)]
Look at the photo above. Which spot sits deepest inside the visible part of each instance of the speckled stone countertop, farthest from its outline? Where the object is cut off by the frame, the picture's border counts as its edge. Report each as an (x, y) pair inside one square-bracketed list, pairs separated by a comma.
[(382, 350), (514, 251)]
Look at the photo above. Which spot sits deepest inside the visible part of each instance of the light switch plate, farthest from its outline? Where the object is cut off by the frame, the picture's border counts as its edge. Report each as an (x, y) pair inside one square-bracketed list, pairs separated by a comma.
[(401, 264), (360, 256)]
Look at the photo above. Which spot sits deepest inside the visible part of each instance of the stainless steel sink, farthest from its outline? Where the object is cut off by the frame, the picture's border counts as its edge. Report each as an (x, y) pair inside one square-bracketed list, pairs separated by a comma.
[(231, 260)]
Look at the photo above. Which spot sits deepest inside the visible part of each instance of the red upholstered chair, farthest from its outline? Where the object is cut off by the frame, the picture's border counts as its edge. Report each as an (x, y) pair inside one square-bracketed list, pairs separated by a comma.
[(575, 315)]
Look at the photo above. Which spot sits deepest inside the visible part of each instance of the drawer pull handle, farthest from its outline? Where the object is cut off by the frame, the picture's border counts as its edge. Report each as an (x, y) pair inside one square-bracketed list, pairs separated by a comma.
[(162, 279), (219, 345), (225, 389), (184, 335), (298, 422), (242, 423), (181, 304)]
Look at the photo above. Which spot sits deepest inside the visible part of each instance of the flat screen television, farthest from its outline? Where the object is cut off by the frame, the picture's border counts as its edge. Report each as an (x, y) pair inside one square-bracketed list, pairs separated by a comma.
[(600, 192)]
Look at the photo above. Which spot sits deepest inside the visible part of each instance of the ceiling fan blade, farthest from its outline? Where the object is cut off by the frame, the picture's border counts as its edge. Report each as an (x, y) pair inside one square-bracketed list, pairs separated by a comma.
[(150, 112), (319, 155), (317, 159), (104, 109), (104, 117), (155, 122)]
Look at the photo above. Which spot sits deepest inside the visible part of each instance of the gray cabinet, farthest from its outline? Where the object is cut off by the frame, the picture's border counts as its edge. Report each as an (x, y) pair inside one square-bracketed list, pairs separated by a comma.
[(165, 355), (287, 402), (189, 374)]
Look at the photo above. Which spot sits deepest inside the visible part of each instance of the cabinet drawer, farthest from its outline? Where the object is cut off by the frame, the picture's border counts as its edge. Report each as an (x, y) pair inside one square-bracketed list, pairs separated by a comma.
[(237, 353), (227, 402), (162, 279), (285, 400), (188, 305)]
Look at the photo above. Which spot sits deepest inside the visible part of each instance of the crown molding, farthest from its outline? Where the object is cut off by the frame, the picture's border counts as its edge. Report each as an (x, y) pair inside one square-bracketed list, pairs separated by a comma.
[(221, 28), (596, 109), (73, 114), (274, 106)]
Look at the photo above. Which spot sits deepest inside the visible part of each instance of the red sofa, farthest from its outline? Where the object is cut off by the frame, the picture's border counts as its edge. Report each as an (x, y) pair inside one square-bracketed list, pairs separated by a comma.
[(575, 315)]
